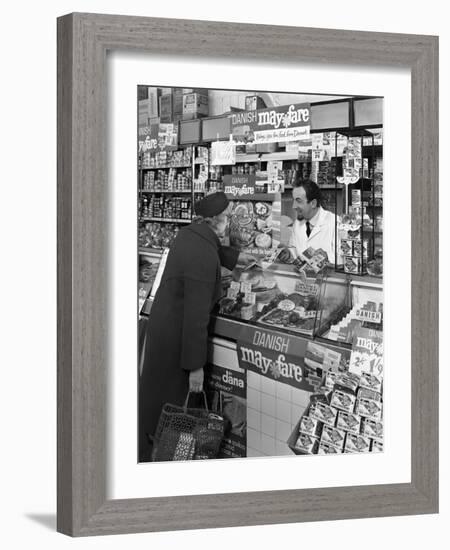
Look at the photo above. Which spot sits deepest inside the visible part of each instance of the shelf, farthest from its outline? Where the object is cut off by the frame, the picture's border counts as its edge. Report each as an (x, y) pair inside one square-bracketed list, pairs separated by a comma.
[(279, 155), (150, 251), (165, 191), (268, 197), (163, 220), (251, 157), (164, 167)]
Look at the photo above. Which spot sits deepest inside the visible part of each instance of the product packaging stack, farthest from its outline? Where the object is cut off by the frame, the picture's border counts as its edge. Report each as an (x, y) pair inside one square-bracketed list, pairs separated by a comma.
[(346, 414)]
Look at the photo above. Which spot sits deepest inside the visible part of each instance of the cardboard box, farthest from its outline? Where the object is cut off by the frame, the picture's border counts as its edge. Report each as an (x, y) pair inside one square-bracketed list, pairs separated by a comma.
[(356, 444), (310, 426), (195, 105), (348, 380), (346, 247), (327, 449), (324, 413), (307, 444), (370, 381), (333, 436), (343, 400), (350, 422), (372, 428), (377, 446), (369, 408), (153, 101), (352, 265), (366, 393), (165, 108), (177, 102)]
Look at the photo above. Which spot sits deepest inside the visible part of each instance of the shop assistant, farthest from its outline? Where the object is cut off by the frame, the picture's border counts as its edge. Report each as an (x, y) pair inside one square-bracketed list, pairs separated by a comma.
[(314, 226), (177, 330)]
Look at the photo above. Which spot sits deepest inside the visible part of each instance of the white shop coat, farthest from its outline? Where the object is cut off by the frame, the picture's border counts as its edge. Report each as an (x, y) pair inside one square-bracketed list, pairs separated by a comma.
[(322, 234)]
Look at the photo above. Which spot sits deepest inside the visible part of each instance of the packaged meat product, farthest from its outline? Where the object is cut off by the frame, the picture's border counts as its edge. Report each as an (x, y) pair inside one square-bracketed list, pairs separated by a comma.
[(310, 426), (356, 444), (307, 444), (324, 413), (342, 400), (349, 422), (369, 408), (333, 436)]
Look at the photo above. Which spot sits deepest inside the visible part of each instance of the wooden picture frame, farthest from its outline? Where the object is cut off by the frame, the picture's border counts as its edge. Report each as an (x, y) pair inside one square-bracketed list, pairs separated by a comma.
[(83, 41)]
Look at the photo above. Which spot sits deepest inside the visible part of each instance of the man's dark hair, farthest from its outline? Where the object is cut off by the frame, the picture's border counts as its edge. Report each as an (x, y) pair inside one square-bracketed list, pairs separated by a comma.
[(312, 190)]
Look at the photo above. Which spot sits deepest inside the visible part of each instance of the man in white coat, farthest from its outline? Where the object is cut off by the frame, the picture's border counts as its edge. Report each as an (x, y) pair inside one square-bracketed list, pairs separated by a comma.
[(314, 226)]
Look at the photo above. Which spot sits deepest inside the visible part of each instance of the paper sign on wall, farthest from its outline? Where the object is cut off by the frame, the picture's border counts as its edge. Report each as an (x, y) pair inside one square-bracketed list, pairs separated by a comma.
[(223, 152)]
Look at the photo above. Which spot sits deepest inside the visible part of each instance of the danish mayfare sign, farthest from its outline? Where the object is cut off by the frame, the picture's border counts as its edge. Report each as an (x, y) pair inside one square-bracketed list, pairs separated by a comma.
[(273, 355), (286, 123)]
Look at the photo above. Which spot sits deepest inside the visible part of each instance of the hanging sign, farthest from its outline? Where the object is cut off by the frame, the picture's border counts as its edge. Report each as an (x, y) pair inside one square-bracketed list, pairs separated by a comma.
[(223, 152), (239, 185), (274, 355), (284, 123)]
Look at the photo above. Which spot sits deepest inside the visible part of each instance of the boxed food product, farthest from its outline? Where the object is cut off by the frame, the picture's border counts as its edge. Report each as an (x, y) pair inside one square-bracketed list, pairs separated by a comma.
[(352, 265), (330, 379), (370, 381), (356, 444), (346, 247), (366, 393), (377, 446), (310, 426), (343, 400), (307, 444), (321, 397), (165, 108), (360, 247), (348, 380), (349, 422), (327, 449), (369, 408), (372, 428), (195, 105), (324, 413), (333, 436)]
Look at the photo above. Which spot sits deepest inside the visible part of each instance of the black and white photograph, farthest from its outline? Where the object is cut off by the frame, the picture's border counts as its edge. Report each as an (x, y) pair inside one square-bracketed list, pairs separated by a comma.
[(260, 292)]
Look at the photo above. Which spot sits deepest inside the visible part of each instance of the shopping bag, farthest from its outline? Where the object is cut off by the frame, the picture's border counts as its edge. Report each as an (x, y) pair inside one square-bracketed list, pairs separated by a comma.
[(185, 433)]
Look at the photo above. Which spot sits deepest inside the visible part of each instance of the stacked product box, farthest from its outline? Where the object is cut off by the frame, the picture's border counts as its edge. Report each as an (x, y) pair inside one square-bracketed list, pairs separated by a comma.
[(344, 417), (195, 105), (326, 174)]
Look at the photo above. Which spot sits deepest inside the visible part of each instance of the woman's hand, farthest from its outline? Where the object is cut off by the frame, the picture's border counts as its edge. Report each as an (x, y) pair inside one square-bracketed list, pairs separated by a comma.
[(196, 378)]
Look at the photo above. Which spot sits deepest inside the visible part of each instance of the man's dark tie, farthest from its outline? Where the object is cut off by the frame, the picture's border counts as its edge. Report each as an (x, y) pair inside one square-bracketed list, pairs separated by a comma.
[(308, 229)]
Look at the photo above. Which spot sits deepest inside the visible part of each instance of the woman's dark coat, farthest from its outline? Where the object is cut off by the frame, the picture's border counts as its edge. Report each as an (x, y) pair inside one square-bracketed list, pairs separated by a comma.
[(177, 330)]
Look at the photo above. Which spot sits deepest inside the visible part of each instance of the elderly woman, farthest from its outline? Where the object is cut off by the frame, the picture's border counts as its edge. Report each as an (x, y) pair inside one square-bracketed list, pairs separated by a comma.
[(177, 331)]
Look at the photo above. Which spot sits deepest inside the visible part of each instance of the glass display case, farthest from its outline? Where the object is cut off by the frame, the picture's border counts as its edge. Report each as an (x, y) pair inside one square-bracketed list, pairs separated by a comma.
[(329, 305), (283, 297)]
